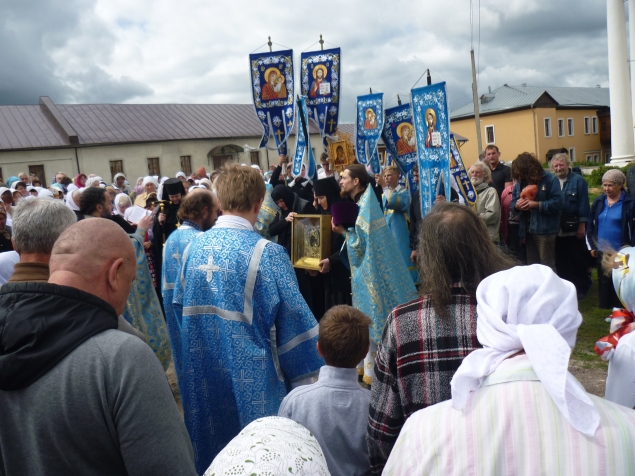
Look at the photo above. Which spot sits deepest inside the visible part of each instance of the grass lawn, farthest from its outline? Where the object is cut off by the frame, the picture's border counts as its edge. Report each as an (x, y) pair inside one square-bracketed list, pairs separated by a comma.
[(593, 327)]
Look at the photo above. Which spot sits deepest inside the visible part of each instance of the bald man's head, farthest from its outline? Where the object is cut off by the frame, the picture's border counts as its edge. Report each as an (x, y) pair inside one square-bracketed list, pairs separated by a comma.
[(96, 256)]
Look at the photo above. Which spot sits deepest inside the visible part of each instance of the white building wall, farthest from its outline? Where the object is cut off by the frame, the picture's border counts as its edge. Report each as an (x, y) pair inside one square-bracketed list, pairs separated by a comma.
[(96, 159)]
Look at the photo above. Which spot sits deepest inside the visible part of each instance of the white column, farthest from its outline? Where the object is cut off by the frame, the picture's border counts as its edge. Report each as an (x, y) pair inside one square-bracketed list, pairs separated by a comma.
[(631, 40), (622, 138)]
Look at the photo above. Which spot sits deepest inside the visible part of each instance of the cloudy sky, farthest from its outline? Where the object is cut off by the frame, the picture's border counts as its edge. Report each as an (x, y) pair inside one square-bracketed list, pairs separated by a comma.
[(196, 51)]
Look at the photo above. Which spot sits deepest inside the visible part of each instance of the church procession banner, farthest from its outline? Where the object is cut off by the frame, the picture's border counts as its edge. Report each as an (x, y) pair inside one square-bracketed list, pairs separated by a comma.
[(303, 150), (370, 124), (401, 146), (320, 74), (457, 169), (432, 131), (272, 87)]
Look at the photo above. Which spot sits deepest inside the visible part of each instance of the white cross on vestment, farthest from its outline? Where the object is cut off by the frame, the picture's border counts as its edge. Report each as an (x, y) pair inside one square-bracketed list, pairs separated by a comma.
[(210, 267), (177, 257)]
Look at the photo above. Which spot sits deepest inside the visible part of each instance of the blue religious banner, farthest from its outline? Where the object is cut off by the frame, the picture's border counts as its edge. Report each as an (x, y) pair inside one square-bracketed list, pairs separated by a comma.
[(303, 151), (399, 136), (272, 87), (320, 74), (460, 175), (432, 131), (370, 124)]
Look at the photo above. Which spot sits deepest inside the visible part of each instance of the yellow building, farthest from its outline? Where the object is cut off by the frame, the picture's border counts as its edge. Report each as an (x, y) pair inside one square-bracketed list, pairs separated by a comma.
[(543, 121)]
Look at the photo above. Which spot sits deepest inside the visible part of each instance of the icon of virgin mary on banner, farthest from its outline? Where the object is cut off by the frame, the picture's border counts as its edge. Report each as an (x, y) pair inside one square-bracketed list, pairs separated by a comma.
[(399, 136), (272, 87), (320, 72), (432, 131), (370, 124)]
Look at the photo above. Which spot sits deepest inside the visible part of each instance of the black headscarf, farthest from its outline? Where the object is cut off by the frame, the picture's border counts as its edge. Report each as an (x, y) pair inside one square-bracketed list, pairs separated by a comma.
[(284, 193)]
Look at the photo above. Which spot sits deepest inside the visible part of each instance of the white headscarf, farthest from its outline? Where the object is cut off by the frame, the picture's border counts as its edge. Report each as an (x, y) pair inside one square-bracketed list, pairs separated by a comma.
[(271, 445), (45, 193), (92, 180), (147, 180), (529, 308), (70, 203), (180, 174), (121, 197)]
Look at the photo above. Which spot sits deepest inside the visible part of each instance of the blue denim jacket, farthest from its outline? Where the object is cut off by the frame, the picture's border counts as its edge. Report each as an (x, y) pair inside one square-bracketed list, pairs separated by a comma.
[(576, 197), (545, 220)]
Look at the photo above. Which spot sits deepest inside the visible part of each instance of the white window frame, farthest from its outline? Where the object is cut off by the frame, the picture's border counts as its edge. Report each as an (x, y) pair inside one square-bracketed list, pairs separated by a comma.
[(493, 134), (596, 158), (547, 125), (588, 158), (560, 127), (570, 127), (587, 125), (572, 154), (594, 124)]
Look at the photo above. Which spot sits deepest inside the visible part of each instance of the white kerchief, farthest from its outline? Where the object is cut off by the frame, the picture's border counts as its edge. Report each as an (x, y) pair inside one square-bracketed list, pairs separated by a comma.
[(233, 221), (529, 308), (70, 203)]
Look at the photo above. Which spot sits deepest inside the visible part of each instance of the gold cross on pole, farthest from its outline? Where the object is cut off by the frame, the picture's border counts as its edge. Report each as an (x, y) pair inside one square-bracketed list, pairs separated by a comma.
[(269, 43), (321, 42)]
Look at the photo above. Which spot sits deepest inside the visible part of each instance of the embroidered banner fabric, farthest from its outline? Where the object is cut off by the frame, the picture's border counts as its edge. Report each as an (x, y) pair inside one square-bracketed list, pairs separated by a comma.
[(303, 151), (272, 87), (460, 174), (320, 74), (370, 124), (399, 136), (432, 131)]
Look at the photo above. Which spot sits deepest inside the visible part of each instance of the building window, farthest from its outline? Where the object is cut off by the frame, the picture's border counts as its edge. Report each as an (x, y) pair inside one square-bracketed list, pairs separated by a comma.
[(596, 158), (570, 126), (489, 134), (560, 127), (547, 127), (186, 164), (572, 154), (38, 171), (587, 125), (588, 157), (603, 126), (1, 176), (607, 157), (153, 166), (116, 167), (255, 157), (594, 124)]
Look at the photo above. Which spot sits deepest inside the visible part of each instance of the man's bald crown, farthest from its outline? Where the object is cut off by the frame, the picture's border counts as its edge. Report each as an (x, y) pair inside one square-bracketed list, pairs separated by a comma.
[(89, 246)]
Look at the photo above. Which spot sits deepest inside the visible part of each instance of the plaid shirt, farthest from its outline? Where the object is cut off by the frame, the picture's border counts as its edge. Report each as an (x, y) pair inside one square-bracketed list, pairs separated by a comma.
[(416, 360)]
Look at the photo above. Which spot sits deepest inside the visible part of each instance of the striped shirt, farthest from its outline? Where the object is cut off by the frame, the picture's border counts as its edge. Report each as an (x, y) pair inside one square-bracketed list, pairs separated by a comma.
[(511, 426)]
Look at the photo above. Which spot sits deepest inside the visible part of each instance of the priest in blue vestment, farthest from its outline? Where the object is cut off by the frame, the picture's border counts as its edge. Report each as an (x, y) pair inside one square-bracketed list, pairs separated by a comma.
[(396, 200), (197, 213), (248, 336), (379, 281)]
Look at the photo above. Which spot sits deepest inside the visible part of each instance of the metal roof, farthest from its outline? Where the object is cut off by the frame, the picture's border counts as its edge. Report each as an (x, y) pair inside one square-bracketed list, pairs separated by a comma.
[(50, 125), (518, 97)]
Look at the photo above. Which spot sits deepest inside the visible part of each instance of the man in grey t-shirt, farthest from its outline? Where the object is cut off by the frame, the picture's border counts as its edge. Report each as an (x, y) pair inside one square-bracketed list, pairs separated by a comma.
[(77, 396)]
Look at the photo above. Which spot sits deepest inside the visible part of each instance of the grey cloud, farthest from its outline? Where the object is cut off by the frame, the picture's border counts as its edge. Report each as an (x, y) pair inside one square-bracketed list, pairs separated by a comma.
[(31, 31)]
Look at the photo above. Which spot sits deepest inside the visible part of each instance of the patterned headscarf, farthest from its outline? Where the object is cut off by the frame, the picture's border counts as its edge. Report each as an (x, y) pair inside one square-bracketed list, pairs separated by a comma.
[(271, 445), (615, 176)]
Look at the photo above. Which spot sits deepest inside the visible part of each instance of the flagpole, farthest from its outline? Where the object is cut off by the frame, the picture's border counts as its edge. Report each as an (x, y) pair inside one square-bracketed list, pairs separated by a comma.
[(306, 134)]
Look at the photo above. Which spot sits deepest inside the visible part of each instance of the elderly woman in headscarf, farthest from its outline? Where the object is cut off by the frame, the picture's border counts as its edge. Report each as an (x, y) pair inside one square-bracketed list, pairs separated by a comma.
[(149, 185), (72, 202), (122, 203), (5, 238), (80, 180), (611, 226)]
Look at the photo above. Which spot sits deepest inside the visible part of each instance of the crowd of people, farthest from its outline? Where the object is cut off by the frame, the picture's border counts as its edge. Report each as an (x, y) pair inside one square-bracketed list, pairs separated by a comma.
[(459, 324)]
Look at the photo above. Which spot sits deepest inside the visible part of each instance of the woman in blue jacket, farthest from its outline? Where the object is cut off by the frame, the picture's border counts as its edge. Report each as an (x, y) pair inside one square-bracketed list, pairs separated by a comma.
[(611, 226)]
